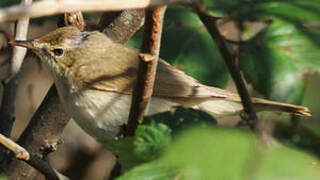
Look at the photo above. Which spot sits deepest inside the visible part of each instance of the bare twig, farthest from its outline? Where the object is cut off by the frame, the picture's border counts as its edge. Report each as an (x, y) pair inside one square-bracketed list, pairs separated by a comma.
[(32, 160), (46, 8), (147, 67), (7, 111), (18, 151), (20, 34), (231, 61)]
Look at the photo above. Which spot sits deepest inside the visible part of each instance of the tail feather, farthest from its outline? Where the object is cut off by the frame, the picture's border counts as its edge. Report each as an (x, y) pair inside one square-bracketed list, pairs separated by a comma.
[(267, 105), (220, 107)]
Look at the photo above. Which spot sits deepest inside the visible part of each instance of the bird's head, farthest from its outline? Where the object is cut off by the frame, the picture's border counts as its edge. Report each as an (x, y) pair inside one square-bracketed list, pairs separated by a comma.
[(63, 47)]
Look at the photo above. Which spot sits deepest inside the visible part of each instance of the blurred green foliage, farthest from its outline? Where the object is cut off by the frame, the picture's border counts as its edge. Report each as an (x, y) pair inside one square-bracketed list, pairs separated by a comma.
[(277, 59), (8, 2), (207, 153), (124, 149), (155, 135), (291, 10), (151, 140)]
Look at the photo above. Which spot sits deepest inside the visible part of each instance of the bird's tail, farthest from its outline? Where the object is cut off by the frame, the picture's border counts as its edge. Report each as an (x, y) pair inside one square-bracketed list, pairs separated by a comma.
[(221, 107)]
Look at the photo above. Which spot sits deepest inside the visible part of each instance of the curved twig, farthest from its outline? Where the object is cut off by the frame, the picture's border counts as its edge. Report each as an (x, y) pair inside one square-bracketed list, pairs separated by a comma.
[(231, 61)]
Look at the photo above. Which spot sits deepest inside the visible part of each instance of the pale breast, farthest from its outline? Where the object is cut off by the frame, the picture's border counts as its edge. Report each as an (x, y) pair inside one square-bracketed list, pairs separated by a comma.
[(101, 114)]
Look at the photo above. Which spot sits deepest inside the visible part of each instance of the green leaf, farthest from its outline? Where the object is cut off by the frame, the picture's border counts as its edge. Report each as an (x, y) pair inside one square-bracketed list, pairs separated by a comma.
[(187, 45), (221, 8), (155, 135), (276, 60), (154, 170), (293, 10), (284, 163), (4, 3), (124, 149), (211, 153), (151, 140), (182, 118)]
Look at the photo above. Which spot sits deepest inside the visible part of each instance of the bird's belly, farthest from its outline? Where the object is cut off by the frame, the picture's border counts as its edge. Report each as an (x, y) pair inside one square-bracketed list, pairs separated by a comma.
[(101, 114)]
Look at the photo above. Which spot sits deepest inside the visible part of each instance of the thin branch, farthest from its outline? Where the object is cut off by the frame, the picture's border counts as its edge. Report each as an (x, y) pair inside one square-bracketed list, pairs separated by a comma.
[(20, 34), (47, 8), (10, 85), (19, 152), (33, 160), (147, 67), (231, 61)]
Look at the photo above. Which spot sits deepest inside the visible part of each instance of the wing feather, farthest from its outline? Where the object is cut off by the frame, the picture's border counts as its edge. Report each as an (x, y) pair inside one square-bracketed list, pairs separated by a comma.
[(116, 71)]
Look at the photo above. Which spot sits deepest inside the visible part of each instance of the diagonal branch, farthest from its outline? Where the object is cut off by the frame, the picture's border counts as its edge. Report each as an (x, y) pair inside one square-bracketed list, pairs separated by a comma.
[(231, 61), (33, 160), (41, 134), (47, 8), (147, 67)]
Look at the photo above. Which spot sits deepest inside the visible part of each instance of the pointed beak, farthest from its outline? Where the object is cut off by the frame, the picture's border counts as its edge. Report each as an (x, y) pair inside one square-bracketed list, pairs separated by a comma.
[(27, 44)]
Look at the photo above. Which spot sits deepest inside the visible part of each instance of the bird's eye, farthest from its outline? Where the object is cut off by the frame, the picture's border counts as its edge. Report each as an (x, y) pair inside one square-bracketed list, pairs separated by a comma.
[(58, 52)]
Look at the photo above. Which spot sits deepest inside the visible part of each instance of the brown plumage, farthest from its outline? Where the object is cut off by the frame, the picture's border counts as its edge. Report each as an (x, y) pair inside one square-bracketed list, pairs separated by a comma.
[(92, 72)]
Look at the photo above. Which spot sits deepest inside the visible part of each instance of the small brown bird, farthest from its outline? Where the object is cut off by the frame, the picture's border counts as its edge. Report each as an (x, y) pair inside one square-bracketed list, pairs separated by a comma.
[(95, 76)]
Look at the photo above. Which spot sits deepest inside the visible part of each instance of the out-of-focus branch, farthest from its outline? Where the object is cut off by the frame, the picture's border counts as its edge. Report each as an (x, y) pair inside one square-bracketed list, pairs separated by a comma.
[(32, 160), (46, 8), (231, 61), (21, 34), (121, 26), (41, 135), (10, 85), (147, 67)]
